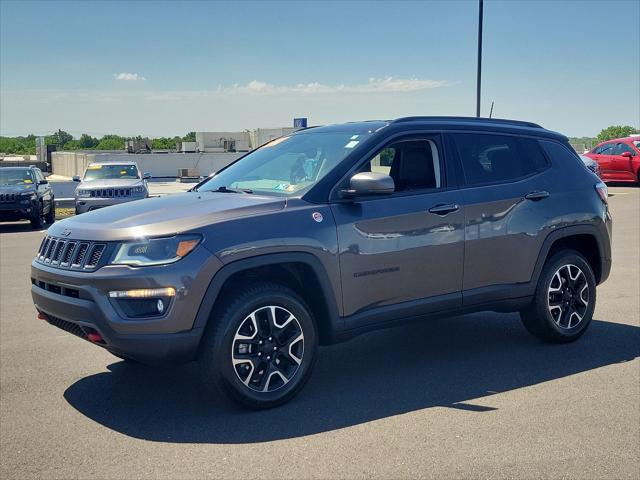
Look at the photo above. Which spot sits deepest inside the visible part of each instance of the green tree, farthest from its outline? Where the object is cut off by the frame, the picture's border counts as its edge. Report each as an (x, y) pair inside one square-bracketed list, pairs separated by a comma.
[(189, 137), (87, 141), (111, 142), (616, 131)]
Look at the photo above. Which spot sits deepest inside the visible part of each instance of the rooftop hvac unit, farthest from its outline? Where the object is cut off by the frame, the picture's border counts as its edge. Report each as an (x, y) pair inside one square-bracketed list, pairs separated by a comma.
[(188, 172)]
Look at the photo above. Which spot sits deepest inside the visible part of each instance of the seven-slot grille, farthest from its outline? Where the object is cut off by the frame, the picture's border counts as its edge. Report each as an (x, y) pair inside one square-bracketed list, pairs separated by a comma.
[(8, 197), (110, 192), (70, 254)]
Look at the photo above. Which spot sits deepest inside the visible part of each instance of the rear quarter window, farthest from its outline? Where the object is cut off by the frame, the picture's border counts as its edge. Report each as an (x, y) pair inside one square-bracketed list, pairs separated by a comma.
[(559, 153), (490, 158)]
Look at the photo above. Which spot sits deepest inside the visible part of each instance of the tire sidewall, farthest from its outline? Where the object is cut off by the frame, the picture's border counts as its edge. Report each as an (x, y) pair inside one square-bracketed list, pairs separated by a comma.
[(566, 258), (223, 349)]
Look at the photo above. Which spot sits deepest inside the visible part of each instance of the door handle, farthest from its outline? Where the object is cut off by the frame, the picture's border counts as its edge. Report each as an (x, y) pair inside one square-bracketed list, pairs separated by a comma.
[(537, 195), (444, 208)]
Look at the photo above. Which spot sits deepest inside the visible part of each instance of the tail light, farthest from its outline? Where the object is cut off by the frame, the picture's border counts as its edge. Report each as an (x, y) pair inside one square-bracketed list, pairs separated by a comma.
[(603, 192)]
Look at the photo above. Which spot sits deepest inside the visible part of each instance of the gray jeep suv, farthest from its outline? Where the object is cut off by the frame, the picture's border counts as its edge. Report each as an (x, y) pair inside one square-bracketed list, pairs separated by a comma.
[(330, 232), (109, 183)]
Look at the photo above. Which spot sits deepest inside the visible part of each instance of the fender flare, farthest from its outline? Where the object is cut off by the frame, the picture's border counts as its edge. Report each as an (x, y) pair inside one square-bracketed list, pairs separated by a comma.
[(565, 232), (334, 323)]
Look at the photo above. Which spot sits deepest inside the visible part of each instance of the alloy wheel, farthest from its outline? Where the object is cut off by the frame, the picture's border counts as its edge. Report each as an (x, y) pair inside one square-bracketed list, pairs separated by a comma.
[(568, 296), (268, 348)]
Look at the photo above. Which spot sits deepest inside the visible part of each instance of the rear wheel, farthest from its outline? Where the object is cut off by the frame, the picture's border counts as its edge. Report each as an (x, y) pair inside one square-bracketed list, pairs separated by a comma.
[(260, 346), (564, 301)]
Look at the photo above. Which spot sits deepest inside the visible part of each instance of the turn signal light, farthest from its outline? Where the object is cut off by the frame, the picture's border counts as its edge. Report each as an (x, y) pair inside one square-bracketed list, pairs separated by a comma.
[(144, 293), (603, 192)]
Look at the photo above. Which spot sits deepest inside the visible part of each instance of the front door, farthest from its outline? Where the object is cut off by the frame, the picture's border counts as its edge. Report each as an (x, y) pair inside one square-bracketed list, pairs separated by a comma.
[(402, 254)]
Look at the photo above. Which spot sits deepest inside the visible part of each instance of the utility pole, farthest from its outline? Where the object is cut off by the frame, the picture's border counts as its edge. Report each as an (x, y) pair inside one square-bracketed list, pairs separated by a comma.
[(479, 79)]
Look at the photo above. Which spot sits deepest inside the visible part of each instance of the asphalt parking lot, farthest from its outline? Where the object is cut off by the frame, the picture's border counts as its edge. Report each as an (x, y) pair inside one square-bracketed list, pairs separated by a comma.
[(469, 397)]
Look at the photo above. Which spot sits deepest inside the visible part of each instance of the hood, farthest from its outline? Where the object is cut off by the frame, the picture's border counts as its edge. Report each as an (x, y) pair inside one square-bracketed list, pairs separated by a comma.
[(20, 188), (111, 183), (160, 216)]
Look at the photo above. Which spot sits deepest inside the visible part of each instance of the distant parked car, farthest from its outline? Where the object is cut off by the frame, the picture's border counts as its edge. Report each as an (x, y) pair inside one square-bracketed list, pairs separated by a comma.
[(619, 159), (591, 164), (105, 184), (26, 195)]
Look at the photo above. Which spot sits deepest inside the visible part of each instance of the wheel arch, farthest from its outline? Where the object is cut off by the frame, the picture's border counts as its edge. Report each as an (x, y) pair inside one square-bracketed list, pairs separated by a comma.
[(300, 271), (586, 240)]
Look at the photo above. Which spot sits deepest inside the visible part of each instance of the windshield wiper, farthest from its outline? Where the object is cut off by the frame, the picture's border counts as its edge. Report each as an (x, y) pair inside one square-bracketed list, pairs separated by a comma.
[(224, 189)]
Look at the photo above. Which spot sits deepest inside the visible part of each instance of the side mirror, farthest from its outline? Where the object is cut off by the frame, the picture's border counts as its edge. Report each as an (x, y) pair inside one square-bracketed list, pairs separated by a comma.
[(369, 183), (146, 176), (76, 178), (43, 182), (627, 154)]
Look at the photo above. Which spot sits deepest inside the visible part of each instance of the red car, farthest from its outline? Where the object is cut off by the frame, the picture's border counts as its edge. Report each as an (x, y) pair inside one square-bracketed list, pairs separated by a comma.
[(619, 159)]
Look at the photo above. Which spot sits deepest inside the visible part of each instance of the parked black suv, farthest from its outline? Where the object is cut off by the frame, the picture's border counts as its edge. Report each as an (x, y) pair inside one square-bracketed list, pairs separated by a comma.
[(26, 195), (329, 232)]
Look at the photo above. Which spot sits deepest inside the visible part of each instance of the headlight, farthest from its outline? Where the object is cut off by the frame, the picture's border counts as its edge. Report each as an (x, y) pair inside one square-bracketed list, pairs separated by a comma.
[(138, 190), (83, 192), (26, 197), (156, 251)]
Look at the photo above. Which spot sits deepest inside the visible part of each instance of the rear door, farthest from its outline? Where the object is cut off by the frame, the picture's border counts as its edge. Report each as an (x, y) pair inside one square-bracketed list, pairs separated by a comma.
[(504, 197), (605, 160), (402, 254)]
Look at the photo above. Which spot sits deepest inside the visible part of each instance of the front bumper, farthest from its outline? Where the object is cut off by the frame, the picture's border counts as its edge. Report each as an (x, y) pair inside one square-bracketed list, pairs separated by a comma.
[(86, 204), (78, 302), (15, 211)]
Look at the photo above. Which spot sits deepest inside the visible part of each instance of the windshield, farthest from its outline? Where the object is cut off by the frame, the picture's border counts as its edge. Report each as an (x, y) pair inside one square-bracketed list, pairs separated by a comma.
[(287, 165), (111, 171), (15, 177)]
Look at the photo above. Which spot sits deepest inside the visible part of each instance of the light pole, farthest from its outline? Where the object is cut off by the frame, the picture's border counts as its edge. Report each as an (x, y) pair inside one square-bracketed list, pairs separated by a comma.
[(479, 78)]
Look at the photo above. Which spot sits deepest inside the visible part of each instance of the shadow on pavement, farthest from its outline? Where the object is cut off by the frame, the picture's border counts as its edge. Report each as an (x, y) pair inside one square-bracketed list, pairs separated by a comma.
[(448, 362), (20, 227)]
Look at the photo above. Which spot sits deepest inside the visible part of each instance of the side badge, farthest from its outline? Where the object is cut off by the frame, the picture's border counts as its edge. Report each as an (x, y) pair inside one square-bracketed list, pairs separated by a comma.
[(317, 216)]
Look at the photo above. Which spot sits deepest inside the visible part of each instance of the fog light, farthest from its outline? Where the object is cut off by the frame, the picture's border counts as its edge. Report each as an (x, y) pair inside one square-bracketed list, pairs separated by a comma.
[(160, 305), (145, 293)]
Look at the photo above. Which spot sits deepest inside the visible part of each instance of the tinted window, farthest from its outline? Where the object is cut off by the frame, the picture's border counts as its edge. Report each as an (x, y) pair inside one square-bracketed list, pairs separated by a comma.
[(606, 149), (559, 152), (413, 164), (621, 148), (496, 158)]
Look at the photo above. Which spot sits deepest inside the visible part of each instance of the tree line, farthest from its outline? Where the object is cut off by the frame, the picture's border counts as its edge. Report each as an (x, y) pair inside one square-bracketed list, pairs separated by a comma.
[(65, 141)]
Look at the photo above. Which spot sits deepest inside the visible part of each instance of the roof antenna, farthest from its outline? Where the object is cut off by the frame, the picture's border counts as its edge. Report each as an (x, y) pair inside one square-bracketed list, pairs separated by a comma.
[(491, 111)]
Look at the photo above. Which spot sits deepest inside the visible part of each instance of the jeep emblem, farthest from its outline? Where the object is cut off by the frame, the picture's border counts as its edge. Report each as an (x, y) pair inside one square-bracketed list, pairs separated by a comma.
[(66, 232), (317, 216)]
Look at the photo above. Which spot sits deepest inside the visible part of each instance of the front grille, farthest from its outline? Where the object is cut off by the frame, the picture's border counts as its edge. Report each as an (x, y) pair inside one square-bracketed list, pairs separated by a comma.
[(50, 287), (8, 197), (67, 326), (110, 192), (72, 254)]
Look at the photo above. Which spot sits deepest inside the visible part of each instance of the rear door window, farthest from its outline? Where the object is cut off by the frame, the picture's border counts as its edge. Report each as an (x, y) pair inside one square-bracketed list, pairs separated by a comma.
[(488, 158)]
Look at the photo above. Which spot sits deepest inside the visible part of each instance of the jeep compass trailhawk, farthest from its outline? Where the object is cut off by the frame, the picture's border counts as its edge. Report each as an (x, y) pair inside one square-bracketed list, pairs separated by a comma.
[(329, 232)]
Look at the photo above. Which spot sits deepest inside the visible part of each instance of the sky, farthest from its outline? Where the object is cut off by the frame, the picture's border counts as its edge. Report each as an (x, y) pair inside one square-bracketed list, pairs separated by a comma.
[(166, 68)]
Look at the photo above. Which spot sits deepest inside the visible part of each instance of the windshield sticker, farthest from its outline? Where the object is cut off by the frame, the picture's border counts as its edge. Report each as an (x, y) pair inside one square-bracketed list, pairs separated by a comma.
[(27, 181), (94, 167), (123, 172), (352, 144)]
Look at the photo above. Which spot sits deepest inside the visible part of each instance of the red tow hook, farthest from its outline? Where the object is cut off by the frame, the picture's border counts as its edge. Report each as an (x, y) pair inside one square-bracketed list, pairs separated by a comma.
[(41, 316), (95, 337)]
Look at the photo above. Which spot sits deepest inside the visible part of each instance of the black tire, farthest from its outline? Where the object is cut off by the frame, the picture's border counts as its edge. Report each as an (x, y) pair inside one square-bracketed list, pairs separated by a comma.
[(220, 348), (36, 220), (550, 316), (50, 217)]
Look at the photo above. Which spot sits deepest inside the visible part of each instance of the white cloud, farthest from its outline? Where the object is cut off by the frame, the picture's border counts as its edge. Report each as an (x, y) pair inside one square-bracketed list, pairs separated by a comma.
[(130, 77), (374, 85)]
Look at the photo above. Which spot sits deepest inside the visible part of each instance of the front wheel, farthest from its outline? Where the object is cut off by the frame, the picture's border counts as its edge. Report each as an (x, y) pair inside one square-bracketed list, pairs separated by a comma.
[(50, 217), (260, 346), (36, 220), (564, 300)]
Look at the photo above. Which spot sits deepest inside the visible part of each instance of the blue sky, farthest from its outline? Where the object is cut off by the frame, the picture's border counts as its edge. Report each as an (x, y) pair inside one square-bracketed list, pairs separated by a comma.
[(165, 68)]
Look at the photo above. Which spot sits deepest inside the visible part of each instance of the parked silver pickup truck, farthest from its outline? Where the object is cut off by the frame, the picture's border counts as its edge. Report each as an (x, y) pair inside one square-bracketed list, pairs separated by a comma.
[(105, 184)]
